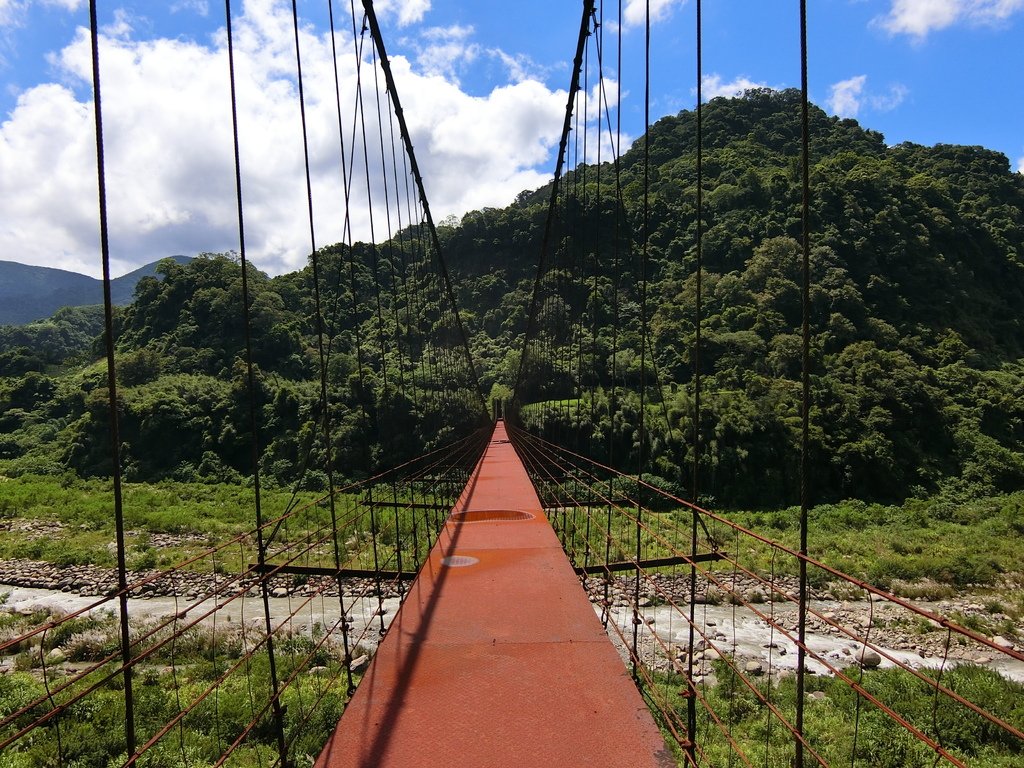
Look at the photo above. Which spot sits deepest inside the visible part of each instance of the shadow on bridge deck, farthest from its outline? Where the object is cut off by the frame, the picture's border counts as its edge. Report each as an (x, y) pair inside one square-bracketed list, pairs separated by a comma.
[(496, 657)]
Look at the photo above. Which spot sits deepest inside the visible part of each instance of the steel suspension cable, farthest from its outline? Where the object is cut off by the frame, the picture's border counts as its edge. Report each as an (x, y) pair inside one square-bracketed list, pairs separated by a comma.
[(374, 264), (574, 86), (378, 40), (691, 704), (805, 376), (646, 237), (112, 398), (346, 191)]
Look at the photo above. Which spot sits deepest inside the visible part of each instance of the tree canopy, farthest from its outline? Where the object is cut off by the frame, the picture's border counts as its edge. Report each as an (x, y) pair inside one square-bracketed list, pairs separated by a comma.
[(918, 275)]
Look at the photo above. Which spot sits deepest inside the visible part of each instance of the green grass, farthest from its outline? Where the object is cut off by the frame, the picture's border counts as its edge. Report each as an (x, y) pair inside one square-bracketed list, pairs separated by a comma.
[(209, 513), (922, 549), (846, 731), (898, 547), (91, 733), (199, 517)]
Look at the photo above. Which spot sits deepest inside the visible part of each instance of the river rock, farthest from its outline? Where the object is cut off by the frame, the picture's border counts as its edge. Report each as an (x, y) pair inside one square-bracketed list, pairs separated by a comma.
[(754, 668), (869, 659), (1001, 642)]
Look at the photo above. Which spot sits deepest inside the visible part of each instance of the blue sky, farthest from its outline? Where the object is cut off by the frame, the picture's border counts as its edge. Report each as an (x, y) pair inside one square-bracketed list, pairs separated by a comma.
[(484, 89)]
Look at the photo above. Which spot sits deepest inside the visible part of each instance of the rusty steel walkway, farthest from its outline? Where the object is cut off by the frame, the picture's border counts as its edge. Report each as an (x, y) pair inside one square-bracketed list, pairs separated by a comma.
[(496, 657)]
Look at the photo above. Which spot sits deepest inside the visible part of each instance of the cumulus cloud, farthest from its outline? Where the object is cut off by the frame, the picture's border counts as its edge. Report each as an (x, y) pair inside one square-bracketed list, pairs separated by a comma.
[(170, 167), (520, 67), (450, 51), (594, 125), (713, 86), (11, 11), (634, 13), (888, 101), (1020, 164), (404, 11), (445, 51), (847, 97), (201, 7), (917, 18)]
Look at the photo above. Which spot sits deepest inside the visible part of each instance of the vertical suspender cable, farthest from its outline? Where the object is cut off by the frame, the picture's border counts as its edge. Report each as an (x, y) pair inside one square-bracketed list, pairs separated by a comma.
[(574, 86), (617, 241), (805, 380), (642, 432), (378, 39), (261, 547), (374, 263), (322, 352), (330, 475), (616, 245), (115, 437), (691, 702)]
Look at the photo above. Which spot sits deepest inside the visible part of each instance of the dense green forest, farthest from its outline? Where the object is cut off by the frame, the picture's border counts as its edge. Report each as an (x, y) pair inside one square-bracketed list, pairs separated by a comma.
[(917, 339)]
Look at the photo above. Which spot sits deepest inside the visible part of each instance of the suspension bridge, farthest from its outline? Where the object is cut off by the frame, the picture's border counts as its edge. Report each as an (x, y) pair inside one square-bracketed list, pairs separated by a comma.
[(500, 598)]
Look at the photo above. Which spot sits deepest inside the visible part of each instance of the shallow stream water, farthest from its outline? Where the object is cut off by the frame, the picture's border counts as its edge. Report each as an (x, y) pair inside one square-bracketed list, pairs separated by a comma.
[(732, 630)]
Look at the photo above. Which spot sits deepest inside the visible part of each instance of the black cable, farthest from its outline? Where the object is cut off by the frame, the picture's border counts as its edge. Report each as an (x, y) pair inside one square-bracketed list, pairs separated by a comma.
[(108, 339), (646, 236), (346, 181), (574, 86), (805, 377), (432, 229), (691, 703)]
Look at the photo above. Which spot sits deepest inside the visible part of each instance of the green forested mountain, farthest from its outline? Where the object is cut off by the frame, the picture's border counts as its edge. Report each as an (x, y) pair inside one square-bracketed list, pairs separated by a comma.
[(31, 294), (918, 272)]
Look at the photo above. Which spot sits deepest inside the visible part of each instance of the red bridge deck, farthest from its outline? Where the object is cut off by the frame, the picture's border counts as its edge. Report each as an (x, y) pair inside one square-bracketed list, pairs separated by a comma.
[(496, 657)]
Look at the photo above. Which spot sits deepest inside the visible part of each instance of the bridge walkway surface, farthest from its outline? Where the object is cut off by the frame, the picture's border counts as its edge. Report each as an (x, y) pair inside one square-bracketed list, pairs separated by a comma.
[(496, 657)]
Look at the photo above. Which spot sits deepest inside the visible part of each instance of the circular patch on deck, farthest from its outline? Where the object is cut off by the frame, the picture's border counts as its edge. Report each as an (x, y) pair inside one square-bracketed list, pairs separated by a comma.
[(458, 561), (491, 516)]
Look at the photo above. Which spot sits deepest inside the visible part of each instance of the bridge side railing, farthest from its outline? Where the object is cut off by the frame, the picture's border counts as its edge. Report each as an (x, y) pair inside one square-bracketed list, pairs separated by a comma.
[(204, 631), (705, 614)]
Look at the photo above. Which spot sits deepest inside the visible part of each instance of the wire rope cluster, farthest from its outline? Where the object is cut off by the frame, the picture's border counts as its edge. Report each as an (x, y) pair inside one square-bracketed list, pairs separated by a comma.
[(680, 589)]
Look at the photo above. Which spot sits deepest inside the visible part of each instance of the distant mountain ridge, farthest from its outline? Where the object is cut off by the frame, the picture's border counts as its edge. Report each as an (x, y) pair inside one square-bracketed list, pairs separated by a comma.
[(30, 293)]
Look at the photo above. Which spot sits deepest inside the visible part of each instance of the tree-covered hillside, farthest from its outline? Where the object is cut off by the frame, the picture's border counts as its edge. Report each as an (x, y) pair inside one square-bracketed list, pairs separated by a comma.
[(918, 271), (918, 277)]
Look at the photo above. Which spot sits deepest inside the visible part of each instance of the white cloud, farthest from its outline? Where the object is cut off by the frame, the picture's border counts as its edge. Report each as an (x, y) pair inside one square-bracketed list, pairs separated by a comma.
[(886, 102), (847, 97), (446, 50), (593, 134), (405, 11), (67, 5), (170, 172), (712, 86), (1020, 164), (918, 18), (520, 66), (201, 7), (122, 26), (11, 12), (450, 51), (634, 14)]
